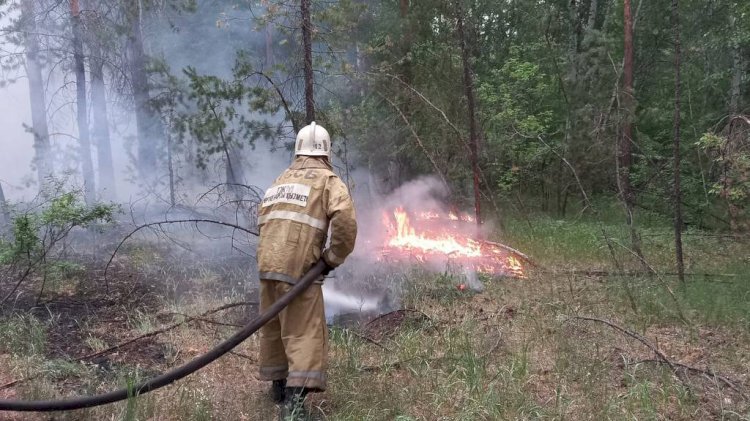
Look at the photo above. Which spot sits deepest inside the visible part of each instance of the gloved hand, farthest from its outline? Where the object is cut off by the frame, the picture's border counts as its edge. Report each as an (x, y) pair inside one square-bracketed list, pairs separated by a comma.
[(327, 269)]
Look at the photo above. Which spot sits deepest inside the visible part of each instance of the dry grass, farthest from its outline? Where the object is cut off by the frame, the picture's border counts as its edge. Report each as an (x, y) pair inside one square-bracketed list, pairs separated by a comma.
[(508, 353)]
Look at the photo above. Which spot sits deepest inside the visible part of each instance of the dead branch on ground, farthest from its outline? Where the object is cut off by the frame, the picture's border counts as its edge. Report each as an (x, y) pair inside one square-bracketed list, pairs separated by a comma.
[(516, 252), (366, 339), (15, 382), (707, 372), (243, 356), (661, 280), (163, 330), (663, 359), (640, 338), (190, 318)]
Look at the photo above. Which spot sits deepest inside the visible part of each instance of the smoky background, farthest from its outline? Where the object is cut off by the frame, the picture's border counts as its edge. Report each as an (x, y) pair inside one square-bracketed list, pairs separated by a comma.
[(197, 170)]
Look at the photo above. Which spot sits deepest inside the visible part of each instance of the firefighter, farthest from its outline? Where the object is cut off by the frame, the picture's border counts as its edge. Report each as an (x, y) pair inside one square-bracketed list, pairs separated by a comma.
[(294, 219)]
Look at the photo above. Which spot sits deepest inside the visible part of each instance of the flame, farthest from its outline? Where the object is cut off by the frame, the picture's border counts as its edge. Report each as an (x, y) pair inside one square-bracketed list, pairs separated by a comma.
[(515, 266), (407, 238), (425, 240)]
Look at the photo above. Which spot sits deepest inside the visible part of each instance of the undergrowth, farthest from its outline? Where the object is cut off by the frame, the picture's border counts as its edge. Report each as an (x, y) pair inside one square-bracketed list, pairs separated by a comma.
[(513, 351)]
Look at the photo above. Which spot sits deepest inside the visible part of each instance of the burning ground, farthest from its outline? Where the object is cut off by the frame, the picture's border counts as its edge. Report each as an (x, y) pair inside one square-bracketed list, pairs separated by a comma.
[(412, 227)]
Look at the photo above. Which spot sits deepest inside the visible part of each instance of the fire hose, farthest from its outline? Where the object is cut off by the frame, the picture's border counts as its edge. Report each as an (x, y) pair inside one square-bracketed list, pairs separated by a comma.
[(177, 373)]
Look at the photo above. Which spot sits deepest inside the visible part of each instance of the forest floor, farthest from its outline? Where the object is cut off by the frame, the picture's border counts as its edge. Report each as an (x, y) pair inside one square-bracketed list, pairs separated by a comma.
[(521, 349)]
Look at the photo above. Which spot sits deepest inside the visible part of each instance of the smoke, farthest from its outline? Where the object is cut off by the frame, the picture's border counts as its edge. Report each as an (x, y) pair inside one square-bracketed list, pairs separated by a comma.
[(172, 256), (367, 283), (14, 156), (206, 39), (423, 194)]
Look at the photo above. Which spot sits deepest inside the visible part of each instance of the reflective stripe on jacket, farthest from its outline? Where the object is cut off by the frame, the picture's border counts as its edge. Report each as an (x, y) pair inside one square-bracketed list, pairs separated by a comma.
[(294, 218)]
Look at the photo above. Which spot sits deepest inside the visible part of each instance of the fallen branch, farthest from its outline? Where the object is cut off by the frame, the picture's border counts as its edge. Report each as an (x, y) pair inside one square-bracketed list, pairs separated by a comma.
[(663, 359), (661, 280), (707, 372), (189, 318), (516, 252), (15, 382), (160, 331), (640, 338), (366, 339)]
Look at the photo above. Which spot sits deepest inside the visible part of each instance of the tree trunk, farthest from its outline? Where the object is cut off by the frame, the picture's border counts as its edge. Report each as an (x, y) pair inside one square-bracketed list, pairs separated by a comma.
[(406, 41), (234, 173), (42, 153), (81, 105), (307, 46), (4, 212), (170, 168), (625, 154), (471, 105), (677, 167), (101, 126), (150, 133), (270, 59), (734, 94), (592, 15)]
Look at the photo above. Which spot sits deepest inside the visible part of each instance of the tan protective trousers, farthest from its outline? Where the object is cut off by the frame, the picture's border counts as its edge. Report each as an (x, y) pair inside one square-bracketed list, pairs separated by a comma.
[(294, 344)]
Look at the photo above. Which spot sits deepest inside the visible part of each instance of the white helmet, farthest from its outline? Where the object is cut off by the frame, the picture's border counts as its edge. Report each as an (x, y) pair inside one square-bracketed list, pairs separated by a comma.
[(313, 140)]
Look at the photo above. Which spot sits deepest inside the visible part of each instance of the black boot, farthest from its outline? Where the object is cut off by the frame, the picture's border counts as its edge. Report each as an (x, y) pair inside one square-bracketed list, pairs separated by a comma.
[(293, 408), (278, 390)]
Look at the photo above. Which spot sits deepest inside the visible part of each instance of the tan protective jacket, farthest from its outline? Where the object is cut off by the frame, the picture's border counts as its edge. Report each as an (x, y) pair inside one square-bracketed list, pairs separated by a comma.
[(294, 218)]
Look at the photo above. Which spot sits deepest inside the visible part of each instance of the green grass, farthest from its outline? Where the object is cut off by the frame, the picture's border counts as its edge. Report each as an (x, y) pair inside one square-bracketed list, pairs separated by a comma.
[(582, 242), (439, 370), (717, 290), (22, 335), (722, 302)]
